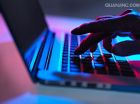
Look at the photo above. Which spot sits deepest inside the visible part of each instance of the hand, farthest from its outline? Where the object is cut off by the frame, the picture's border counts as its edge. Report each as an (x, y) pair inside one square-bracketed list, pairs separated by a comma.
[(104, 28)]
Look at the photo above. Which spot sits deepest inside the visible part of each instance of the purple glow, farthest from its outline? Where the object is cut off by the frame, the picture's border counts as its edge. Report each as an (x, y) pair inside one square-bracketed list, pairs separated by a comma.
[(4, 32)]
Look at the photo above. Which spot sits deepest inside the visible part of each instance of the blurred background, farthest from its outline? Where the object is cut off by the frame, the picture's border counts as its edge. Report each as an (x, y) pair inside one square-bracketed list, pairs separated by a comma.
[(84, 8)]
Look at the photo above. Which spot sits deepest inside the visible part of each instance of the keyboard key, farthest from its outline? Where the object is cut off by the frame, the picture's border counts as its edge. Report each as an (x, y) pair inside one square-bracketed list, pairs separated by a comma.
[(65, 58), (113, 71), (74, 59), (123, 63), (116, 73), (64, 69), (128, 73), (65, 55), (75, 64), (86, 65), (100, 60), (126, 70), (111, 64), (75, 69), (100, 68)]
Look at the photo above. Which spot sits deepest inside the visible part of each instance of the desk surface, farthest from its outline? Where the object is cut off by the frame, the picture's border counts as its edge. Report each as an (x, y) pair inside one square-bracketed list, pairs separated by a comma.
[(16, 86)]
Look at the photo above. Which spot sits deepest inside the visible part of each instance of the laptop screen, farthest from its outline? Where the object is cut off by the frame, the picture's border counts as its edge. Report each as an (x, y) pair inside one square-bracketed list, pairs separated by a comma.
[(25, 20)]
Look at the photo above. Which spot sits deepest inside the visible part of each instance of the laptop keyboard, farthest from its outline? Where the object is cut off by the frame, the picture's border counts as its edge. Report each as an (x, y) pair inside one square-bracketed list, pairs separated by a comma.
[(98, 62)]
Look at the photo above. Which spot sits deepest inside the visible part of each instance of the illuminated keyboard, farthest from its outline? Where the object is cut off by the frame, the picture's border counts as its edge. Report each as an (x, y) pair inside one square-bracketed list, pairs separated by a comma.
[(99, 62)]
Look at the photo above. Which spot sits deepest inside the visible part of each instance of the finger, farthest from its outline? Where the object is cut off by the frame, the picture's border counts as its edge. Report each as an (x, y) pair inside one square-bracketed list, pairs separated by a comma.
[(106, 25), (107, 43), (127, 48), (93, 48), (88, 42), (127, 12)]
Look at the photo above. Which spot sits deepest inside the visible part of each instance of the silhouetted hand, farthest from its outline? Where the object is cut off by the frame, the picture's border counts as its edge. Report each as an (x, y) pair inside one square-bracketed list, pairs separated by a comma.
[(106, 27)]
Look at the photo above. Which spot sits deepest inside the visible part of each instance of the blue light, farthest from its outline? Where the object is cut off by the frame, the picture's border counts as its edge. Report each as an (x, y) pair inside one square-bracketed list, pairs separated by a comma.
[(134, 57), (41, 99), (31, 54)]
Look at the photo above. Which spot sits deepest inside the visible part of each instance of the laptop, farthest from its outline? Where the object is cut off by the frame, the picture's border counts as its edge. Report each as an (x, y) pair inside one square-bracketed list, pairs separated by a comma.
[(50, 58)]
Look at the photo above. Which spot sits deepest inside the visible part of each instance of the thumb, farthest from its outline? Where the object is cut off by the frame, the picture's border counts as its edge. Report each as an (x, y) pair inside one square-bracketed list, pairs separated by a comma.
[(127, 48)]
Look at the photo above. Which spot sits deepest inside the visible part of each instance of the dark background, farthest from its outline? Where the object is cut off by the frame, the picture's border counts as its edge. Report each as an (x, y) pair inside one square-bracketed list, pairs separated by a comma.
[(83, 8)]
